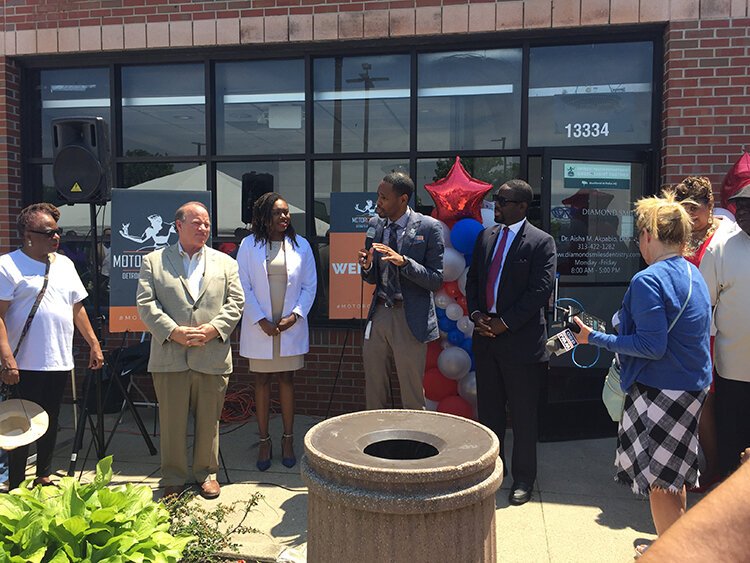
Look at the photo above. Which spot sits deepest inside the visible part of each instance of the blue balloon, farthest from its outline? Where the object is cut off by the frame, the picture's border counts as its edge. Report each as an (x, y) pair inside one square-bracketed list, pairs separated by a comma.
[(467, 257), (466, 344), (464, 234), (446, 325), (473, 363), (456, 337), (440, 313)]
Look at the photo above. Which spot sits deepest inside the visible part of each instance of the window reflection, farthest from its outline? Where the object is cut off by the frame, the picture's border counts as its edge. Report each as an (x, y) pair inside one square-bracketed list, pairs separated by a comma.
[(259, 107), (72, 93), (163, 110), (286, 178), (597, 94), (362, 104), (469, 100)]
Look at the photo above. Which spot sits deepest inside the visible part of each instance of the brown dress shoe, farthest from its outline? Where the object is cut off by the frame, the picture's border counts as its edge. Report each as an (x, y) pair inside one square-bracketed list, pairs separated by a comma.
[(210, 489), (173, 491)]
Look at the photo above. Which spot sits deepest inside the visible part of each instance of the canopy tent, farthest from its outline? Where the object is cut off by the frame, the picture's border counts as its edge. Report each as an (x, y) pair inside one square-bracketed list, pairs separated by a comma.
[(228, 196)]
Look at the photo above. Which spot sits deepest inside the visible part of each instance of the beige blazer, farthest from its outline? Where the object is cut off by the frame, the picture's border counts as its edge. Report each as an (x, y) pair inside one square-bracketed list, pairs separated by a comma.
[(164, 302)]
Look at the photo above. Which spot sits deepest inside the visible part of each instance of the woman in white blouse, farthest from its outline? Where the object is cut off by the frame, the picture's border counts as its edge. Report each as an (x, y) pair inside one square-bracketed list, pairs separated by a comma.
[(277, 271)]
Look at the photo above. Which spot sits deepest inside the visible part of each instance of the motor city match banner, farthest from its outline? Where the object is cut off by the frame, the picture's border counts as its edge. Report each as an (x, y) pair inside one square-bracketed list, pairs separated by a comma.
[(142, 221), (350, 214)]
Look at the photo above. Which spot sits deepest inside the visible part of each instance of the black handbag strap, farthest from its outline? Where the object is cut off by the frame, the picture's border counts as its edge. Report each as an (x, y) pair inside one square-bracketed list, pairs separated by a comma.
[(34, 307)]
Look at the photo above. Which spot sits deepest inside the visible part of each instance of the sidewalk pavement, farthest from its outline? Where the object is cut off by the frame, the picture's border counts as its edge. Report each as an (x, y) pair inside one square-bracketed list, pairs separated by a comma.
[(577, 513)]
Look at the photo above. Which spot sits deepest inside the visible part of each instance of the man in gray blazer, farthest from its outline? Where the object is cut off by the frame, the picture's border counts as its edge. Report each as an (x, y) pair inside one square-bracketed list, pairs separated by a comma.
[(190, 298), (405, 263)]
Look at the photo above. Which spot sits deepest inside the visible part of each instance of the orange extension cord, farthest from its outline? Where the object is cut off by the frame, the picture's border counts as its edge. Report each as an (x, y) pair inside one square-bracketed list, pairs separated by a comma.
[(239, 404)]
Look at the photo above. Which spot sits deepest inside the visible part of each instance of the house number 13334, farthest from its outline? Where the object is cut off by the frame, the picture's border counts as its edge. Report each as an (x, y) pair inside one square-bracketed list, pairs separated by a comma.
[(578, 130)]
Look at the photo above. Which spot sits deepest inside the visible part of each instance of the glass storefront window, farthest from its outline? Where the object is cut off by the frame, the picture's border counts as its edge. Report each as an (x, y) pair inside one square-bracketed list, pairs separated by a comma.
[(469, 100), (71, 92), (163, 110), (260, 107), (362, 104), (288, 179), (495, 170), (597, 94)]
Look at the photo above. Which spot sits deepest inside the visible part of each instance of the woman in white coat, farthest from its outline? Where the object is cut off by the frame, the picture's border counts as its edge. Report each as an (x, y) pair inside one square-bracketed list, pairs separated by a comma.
[(277, 271)]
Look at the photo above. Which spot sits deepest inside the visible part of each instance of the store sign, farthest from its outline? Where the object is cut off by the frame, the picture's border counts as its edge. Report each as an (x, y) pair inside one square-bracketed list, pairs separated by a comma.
[(350, 215), (592, 176), (142, 221)]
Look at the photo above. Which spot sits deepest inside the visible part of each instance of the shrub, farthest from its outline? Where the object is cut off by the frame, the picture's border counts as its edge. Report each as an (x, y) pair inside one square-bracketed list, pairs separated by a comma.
[(212, 535), (87, 522)]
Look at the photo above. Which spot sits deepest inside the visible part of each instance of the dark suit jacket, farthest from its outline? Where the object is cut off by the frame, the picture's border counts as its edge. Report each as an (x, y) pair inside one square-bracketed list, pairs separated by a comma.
[(423, 247), (526, 283)]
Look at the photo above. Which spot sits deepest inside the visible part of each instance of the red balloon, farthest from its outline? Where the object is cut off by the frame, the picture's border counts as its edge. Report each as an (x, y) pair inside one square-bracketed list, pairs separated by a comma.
[(451, 288), (433, 351), (437, 387), (456, 405), (458, 195), (461, 300), (737, 178)]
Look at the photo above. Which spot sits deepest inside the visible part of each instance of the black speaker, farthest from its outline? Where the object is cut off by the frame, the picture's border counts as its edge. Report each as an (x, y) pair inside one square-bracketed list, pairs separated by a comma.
[(254, 185), (81, 167)]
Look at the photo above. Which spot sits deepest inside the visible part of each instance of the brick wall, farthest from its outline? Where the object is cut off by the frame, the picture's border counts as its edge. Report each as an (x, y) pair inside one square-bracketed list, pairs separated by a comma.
[(706, 117), (10, 154), (50, 26)]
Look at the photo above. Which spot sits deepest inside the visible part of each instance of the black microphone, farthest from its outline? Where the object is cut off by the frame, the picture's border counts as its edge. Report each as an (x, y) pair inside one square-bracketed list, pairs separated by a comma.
[(370, 234)]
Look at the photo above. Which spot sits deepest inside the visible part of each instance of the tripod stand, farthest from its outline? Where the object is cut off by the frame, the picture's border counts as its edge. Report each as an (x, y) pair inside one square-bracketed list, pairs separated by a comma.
[(95, 379)]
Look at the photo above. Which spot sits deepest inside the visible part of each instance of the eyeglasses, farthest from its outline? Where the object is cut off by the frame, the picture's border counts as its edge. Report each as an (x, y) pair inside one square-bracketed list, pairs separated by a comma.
[(502, 202), (48, 233)]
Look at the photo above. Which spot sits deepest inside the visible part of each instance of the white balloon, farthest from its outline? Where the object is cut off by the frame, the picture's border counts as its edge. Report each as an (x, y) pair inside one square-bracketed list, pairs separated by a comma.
[(442, 299), (465, 325), (430, 405), (467, 388), (488, 217), (462, 281), (454, 362), (454, 264), (454, 311), (446, 234)]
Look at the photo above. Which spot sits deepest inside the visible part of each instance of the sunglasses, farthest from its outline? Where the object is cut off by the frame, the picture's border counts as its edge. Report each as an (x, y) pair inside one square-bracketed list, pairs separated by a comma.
[(502, 202), (48, 233)]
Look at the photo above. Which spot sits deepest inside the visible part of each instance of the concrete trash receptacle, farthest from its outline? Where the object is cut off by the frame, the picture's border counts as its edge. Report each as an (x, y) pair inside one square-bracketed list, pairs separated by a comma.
[(401, 485)]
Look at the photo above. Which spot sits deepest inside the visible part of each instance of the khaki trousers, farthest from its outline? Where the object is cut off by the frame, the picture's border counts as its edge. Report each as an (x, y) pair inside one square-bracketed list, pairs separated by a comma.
[(181, 394), (392, 341)]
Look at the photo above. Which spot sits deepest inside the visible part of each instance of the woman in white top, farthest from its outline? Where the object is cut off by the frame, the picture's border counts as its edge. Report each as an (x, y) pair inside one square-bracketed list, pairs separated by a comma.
[(42, 364), (277, 271)]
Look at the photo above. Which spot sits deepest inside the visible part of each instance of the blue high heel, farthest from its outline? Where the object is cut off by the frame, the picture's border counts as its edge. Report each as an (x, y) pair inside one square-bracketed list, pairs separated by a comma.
[(288, 461), (264, 464)]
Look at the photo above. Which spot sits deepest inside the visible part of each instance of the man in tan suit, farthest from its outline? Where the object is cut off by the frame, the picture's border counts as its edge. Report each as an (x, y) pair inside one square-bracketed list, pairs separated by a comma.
[(190, 298)]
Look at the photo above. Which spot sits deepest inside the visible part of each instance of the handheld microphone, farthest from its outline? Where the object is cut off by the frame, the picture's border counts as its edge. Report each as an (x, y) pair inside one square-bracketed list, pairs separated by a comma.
[(370, 234)]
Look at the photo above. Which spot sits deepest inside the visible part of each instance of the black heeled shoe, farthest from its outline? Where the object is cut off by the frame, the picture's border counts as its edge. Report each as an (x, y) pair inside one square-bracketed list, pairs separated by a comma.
[(264, 464), (288, 461)]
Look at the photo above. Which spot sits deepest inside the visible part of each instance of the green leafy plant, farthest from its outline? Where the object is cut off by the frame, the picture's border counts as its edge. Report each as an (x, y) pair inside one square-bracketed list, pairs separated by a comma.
[(87, 522), (212, 533)]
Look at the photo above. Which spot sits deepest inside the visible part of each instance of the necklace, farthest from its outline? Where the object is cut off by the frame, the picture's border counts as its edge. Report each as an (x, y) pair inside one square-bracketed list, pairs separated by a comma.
[(697, 238), (666, 256)]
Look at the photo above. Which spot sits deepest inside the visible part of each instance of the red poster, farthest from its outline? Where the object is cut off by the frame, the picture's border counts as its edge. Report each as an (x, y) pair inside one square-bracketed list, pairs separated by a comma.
[(349, 296)]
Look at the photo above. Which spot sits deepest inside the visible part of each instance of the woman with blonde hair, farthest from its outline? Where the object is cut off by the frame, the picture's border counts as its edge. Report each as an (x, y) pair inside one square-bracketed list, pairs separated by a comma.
[(663, 346)]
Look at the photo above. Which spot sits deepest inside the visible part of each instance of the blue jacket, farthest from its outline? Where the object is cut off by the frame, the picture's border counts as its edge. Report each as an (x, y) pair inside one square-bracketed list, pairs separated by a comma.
[(423, 248), (678, 360)]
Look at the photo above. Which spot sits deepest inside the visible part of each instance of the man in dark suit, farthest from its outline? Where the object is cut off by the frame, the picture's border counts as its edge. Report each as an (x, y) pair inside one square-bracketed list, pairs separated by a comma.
[(405, 263), (507, 288)]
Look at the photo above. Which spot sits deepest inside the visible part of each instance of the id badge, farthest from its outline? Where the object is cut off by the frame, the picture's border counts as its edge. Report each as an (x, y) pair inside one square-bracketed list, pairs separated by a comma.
[(368, 328)]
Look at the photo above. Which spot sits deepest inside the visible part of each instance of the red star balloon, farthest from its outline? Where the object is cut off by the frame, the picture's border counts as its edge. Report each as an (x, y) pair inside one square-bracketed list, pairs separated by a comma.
[(737, 178), (458, 195)]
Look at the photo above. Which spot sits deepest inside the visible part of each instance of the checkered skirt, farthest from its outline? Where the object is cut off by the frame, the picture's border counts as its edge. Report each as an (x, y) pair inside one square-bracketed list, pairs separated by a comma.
[(657, 442)]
